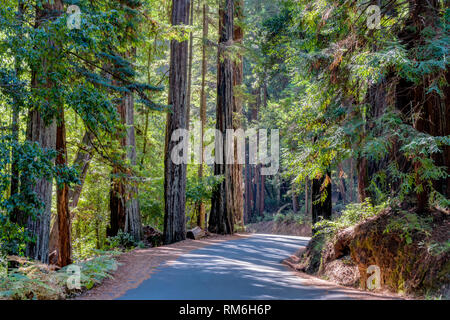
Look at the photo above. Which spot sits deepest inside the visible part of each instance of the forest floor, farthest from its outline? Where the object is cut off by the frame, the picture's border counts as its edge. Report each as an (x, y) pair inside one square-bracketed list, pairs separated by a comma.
[(220, 267)]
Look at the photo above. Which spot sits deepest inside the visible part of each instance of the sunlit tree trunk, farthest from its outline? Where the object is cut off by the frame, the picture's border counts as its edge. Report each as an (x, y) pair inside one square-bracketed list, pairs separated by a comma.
[(175, 174), (191, 56), (221, 218), (237, 182), (200, 206), (62, 197)]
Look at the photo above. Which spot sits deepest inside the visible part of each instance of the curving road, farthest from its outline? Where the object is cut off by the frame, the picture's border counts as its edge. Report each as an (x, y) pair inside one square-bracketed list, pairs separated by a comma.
[(247, 268)]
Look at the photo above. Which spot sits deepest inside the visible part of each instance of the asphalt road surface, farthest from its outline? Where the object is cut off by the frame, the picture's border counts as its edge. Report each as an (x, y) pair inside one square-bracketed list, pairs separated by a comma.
[(246, 268)]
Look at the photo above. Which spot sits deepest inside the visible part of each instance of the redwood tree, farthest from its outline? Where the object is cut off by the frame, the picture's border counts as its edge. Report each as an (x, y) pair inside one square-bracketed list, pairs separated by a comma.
[(221, 218), (175, 174), (41, 128)]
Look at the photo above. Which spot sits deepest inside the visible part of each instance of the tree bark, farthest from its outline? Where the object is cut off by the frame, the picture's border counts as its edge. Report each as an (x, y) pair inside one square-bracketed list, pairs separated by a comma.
[(238, 74), (200, 206), (62, 197), (175, 174), (221, 218), (81, 163), (191, 54), (124, 205), (42, 131)]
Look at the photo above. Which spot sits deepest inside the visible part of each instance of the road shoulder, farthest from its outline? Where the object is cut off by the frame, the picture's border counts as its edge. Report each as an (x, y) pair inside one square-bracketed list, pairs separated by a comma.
[(138, 265)]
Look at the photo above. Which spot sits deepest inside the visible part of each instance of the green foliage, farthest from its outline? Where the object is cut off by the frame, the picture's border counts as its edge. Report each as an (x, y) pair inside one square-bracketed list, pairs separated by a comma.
[(201, 189), (33, 281), (353, 214), (407, 224), (122, 240)]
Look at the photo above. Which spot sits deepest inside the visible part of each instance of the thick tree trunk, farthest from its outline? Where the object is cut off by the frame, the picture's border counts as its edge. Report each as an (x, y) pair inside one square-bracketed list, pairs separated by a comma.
[(238, 74), (253, 180), (124, 205), (363, 182), (175, 174), (133, 223), (43, 132), (62, 197), (45, 135), (200, 206), (221, 218)]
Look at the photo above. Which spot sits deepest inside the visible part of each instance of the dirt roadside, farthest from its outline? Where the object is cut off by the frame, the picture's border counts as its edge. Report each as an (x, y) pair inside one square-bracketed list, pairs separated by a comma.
[(137, 266)]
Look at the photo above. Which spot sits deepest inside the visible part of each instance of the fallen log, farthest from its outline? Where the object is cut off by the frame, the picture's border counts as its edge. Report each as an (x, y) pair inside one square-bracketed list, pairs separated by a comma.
[(195, 233)]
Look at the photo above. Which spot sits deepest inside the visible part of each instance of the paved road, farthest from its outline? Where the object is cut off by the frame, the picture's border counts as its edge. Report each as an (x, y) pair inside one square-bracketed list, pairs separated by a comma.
[(247, 268)]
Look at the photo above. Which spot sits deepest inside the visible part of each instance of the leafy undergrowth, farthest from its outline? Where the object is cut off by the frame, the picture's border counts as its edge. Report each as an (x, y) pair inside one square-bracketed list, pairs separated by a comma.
[(412, 251), (30, 280)]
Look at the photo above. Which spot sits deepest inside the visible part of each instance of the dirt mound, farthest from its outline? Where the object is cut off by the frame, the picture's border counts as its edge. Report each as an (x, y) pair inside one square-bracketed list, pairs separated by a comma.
[(281, 228), (410, 251)]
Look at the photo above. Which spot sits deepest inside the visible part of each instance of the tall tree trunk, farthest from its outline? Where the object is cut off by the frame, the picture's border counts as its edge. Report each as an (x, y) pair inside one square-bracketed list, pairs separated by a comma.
[(363, 182), (294, 199), (15, 174), (252, 195), (221, 218), (238, 74), (62, 197), (175, 174), (307, 196), (201, 220), (81, 163), (191, 56), (124, 205), (43, 131), (133, 223)]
